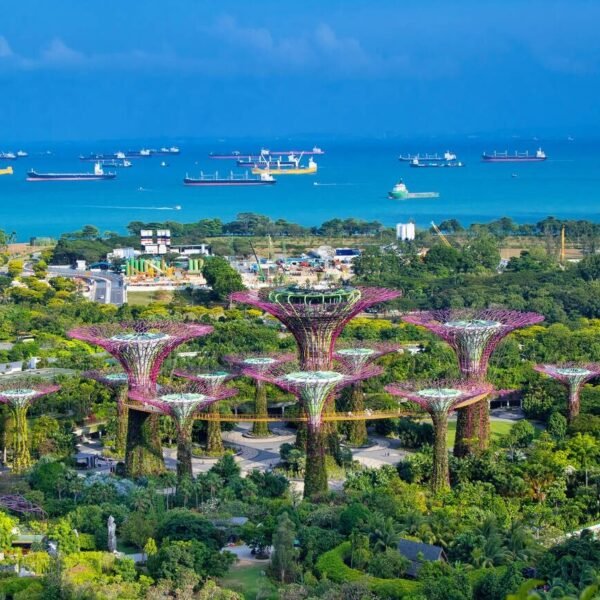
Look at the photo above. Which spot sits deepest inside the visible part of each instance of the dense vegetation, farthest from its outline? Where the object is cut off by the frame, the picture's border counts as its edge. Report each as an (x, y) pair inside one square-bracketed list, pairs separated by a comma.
[(513, 512)]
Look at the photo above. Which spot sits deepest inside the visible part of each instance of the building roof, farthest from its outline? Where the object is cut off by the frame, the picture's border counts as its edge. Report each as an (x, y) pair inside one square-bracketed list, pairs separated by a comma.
[(418, 553)]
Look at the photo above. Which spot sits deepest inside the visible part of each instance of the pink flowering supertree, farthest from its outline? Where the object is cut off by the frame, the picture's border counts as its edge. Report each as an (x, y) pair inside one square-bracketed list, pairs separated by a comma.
[(141, 348), (182, 405), (19, 395), (314, 316), (473, 334), (258, 361), (439, 399), (573, 376), (211, 383), (354, 358), (312, 388), (117, 380)]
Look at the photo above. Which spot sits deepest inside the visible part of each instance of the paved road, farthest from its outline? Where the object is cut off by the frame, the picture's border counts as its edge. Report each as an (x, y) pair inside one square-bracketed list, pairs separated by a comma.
[(107, 287)]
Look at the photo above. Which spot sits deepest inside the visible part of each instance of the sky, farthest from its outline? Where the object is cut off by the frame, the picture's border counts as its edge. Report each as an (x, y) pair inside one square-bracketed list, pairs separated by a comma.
[(73, 70)]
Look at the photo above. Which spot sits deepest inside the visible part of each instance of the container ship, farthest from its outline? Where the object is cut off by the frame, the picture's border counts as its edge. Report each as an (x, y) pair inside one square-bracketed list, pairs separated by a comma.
[(232, 179), (539, 156), (446, 157), (97, 175)]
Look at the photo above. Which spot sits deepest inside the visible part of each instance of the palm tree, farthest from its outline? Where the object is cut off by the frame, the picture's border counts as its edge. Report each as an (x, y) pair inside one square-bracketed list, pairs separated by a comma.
[(382, 532)]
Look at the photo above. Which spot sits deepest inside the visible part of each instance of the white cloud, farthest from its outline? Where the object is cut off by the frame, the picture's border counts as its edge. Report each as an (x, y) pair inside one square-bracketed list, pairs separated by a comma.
[(57, 52)]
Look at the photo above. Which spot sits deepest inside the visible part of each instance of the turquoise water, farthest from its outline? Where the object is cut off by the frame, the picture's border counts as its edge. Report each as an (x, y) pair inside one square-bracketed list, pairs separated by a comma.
[(353, 178)]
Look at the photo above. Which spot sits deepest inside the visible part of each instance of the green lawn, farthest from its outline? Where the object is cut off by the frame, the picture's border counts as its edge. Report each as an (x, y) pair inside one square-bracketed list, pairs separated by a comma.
[(497, 428), (141, 298), (248, 580)]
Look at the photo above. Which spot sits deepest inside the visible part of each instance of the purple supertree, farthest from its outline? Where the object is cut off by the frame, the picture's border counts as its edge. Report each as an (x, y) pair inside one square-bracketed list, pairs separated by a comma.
[(211, 383), (313, 388), (315, 317), (354, 359), (258, 361), (573, 375), (473, 334), (117, 380), (439, 399), (141, 348), (19, 395), (182, 405)]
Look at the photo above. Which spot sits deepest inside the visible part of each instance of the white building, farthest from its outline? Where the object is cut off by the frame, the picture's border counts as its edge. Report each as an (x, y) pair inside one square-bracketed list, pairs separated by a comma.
[(405, 231)]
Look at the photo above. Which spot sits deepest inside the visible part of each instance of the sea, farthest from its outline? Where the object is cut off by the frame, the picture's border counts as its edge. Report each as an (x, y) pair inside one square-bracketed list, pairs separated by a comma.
[(353, 179)]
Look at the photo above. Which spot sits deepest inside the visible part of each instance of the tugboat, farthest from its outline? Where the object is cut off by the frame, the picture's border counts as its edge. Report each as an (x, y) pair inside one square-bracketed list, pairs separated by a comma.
[(97, 175), (400, 192), (232, 179), (539, 156)]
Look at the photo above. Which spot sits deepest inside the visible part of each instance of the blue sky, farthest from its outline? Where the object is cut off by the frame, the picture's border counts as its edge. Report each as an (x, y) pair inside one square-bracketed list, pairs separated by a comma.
[(72, 70)]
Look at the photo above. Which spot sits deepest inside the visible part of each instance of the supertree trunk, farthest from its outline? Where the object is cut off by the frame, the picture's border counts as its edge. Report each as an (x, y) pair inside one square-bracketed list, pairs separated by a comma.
[(122, 417), (21, 456), (214, 441), (261, 428), (472, 428), (184, 450), (574, 403), (315, 478), (440, 476), (357, 430), (143, 454)]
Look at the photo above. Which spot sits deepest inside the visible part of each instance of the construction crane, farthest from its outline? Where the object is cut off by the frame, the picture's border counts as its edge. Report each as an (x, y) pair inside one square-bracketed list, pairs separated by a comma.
[(441, 235)]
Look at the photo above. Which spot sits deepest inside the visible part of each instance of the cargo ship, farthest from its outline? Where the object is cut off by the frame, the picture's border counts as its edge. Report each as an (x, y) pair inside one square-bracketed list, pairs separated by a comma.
[(400, 192), (97, 175), (314, 151), (7, 156), (264, 161), (416, 163), (296, 169), (6, 171), (446, 157), (116, 164), (232, 179), (539, 156)]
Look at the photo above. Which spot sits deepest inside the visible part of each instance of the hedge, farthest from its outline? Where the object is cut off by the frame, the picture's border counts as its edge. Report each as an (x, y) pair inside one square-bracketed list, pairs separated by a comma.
[(331, 565)]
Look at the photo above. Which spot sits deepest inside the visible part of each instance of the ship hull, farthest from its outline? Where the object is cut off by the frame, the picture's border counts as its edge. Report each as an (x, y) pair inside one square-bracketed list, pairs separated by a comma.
[(307, 171), (225, 182), (68, 177), (505, 159)]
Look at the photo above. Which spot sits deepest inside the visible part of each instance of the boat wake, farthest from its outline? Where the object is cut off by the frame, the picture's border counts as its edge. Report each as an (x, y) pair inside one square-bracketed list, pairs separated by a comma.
[(177, 207)]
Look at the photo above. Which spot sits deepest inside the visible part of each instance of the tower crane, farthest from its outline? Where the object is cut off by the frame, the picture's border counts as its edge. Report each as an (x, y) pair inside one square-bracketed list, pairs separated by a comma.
[(441, 235)]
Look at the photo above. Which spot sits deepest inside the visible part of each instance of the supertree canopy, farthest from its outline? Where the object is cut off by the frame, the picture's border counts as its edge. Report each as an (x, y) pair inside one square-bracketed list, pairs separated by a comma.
[(315, 316), (573, 375), (313, 388), (182, 405), (473, 334), (118, 381), (439, 399), (18, 395), (265, 362), (211, 383), (141, 348), (354, 359)]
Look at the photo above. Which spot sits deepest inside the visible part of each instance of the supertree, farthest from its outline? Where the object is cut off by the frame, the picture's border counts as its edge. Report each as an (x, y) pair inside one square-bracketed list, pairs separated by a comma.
[(182, 405), (117, 380), (354, 359), (473, 334), (312, 388), (573, 375), (211, 383), (315, 317), (141, 348), (258, 361), (18, 396), (439, 399)]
